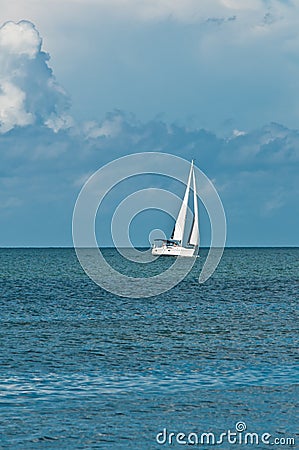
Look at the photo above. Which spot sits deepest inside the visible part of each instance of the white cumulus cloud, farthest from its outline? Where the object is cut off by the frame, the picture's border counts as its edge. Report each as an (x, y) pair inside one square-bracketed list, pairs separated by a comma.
[(20, 39), (29, 92), (12, 107)]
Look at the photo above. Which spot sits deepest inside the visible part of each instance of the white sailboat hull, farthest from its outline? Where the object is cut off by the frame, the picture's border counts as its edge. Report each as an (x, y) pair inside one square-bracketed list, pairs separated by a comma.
[(173, 251)]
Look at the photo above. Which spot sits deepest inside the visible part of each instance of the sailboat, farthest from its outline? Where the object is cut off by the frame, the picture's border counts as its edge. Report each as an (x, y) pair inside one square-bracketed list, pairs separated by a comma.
[(175, 245)]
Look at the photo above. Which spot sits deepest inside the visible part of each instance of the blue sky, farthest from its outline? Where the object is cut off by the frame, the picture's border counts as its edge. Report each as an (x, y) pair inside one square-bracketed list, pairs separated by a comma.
[(83, 82)]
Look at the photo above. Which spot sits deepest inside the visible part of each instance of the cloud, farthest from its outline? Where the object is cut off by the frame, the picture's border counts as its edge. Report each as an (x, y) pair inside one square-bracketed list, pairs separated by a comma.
[(187, 11), (275, 202), (46, 156), (237, 133), (12, 107), (110, 127), (213, 59), (42, 172), (29, 92), (20, 39)]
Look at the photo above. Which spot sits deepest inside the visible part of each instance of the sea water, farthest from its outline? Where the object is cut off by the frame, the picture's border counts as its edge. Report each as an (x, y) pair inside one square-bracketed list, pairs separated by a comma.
[(84, 369)]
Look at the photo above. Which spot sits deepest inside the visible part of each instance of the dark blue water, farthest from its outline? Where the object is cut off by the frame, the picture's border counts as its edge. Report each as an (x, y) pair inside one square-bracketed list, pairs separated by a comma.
[(83, 369)]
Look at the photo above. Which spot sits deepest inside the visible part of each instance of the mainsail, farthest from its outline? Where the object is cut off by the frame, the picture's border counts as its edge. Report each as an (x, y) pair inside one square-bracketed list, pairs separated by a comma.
[(194, 234), (178, 232)]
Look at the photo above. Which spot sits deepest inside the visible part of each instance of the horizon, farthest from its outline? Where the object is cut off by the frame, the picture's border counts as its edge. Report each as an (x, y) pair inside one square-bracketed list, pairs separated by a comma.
[(139, 247)]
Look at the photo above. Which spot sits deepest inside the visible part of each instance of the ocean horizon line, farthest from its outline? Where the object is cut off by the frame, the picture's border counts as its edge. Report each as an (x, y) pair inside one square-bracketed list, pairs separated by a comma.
[(143, 247)]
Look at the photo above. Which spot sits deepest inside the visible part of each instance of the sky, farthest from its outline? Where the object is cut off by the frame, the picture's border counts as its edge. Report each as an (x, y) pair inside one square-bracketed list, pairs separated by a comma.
[(84, 82)]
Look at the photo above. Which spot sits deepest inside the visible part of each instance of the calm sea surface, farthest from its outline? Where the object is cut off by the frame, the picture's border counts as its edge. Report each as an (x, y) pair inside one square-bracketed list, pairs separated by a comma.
[(84, 369)]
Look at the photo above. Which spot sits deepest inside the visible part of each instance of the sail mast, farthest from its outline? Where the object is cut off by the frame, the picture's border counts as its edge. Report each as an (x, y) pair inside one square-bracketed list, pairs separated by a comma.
[(179, 228)]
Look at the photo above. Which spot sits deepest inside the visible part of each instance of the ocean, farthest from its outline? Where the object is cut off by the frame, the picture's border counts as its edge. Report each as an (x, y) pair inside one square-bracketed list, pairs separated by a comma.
[(84, 369)]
